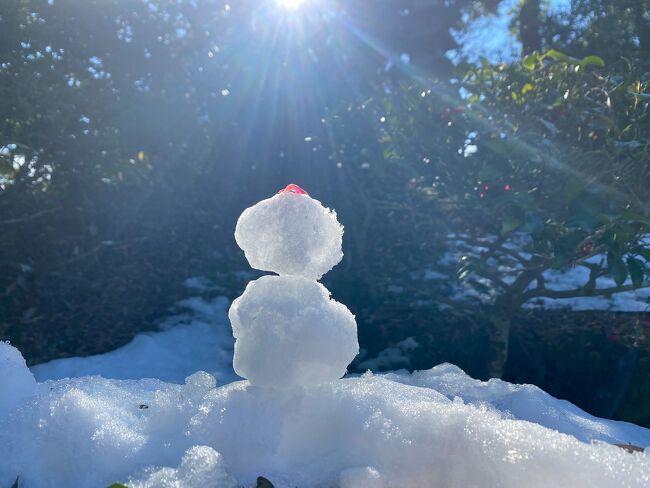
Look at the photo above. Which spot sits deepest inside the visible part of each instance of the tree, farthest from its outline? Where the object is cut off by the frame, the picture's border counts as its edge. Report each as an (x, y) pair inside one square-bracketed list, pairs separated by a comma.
[(611, 28), (99, 105), (540, 166)]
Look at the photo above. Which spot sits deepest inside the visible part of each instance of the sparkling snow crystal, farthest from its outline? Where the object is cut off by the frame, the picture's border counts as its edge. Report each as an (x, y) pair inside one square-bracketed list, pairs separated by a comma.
[(200, 466), (289, 332), (290, 234), (376, 431)]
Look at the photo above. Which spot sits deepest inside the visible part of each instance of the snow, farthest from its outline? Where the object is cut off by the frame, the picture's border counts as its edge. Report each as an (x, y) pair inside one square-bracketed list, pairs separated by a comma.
[(200, 466), (430, 274), (367, 477), (398, 355), (198, 340), (200, 283), (575, 277), (525, 402), (17, 383), (289, 332), (432, 428), (568, 278), (290, 234)]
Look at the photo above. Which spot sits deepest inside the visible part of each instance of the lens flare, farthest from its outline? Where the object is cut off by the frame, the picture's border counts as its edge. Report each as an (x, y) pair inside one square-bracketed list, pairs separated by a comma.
[(290, 4)]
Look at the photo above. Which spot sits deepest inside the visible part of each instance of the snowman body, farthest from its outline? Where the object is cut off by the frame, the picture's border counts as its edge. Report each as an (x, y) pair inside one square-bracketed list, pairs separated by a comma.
[(288, 330)]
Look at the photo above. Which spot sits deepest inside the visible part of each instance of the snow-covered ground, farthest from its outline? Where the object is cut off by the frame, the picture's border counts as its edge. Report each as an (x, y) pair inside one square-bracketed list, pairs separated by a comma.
[(199, 339), (393, 357), (435, 428)]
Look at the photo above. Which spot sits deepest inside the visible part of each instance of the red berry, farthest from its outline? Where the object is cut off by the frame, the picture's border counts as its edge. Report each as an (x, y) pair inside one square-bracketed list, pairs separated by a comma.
[(613, 337)]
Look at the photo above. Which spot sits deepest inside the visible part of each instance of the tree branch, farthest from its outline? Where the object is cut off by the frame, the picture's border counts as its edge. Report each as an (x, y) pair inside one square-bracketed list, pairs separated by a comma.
[(582, 292), (514, 254), (493, 277)]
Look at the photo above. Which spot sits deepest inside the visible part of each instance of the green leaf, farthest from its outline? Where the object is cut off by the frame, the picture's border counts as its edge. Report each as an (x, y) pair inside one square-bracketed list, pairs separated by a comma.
[(526, 88), (262, 482), (592, 60), (462, 69), (463, 275), (637, 271), (467, 265), (624, 234), (117, 485), (511, 223), (529, 62), (616, 268), (557, 55)]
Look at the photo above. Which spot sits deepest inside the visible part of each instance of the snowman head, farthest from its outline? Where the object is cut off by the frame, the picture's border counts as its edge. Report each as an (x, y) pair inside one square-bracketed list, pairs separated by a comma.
[(290, 234)]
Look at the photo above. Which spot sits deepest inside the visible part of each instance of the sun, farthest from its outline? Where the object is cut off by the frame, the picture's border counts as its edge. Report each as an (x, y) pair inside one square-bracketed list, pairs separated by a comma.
[(290, 4)]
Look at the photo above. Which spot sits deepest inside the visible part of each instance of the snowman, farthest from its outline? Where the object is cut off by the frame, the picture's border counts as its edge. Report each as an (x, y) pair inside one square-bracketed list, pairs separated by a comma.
[(288, 330)]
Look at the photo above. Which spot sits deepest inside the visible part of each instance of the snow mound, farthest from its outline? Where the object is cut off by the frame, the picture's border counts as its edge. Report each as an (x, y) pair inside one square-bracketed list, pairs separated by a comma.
[(525, 402), (290, 234), (16, 381), (197, 340), (371, 431), (200, 466), (289, 332)]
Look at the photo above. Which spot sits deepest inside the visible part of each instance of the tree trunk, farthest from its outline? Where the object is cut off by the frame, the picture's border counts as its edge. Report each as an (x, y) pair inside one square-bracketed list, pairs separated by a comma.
[(502, 314), (530, 25)]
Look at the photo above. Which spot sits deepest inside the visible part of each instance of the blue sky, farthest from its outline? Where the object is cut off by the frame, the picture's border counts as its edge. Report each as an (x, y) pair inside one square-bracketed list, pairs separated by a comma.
[(490, 35)]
